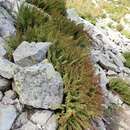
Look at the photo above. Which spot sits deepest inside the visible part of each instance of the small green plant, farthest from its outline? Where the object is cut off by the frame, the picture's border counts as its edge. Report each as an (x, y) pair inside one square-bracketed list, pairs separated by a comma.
[(119, 27), (110, 25), (121, 87), (127, 57), (126, 33)]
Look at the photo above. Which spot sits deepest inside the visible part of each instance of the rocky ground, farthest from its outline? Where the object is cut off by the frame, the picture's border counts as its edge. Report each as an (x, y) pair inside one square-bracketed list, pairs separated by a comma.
[(22, 107), (107, 56), (26, 105)]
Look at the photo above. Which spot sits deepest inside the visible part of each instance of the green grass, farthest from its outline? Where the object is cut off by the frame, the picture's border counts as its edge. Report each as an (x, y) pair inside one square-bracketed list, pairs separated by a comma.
[(121, 87), (89, 11), (126, 33), (70, 56), (127, 57)]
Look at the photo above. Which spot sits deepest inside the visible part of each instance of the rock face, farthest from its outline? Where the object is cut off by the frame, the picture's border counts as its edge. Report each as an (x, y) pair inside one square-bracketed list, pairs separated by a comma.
[(28, 54), (7, 116), (39, 86)]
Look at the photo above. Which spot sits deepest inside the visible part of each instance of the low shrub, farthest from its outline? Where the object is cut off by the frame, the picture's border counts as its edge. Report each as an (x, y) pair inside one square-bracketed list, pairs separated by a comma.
[(119, 27)]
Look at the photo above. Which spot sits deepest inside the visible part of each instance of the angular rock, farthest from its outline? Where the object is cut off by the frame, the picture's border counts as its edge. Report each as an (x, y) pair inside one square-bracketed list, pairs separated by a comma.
[(28, 54), (4, 84), (10, 94), (2, 41), (116, 59), (6, 24), (9, 97), (29, 126), (41, 117), (20, 121), (8, 115), (103, 79), (2, 51), (41, 120), (1, 95), (6, 68), (11, 5), (111, 73), (39, 86), (106, 64)]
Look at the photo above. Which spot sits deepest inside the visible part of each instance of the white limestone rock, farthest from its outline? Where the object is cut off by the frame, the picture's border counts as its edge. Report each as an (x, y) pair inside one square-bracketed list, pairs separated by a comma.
[(8, 115), (28, 54), (39, 86), (4, 84), (6, 68)]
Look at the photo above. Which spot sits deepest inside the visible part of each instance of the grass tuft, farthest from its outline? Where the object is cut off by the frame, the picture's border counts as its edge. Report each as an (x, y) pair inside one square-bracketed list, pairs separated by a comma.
[(121, 87), (127, 57)]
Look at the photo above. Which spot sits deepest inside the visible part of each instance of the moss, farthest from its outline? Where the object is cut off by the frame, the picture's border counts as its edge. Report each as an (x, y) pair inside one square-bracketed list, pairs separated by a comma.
[(121, 87), (70, 56)]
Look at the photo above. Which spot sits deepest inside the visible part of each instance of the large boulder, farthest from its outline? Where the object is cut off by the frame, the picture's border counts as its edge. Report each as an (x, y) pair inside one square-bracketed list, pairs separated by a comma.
[(28, 54), (6, 68), (6, 24), (8, 115), (39, 86)]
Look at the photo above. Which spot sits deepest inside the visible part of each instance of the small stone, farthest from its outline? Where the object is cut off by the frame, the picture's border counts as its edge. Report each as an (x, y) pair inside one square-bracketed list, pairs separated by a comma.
[(41, 120), (28, 54), (10, 94), (41, 117), (2, 51), (6, 24), (106, 64), (116, 59), (9, 98), (6, 68), (20, 121), (8, 115), (111, 73)]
